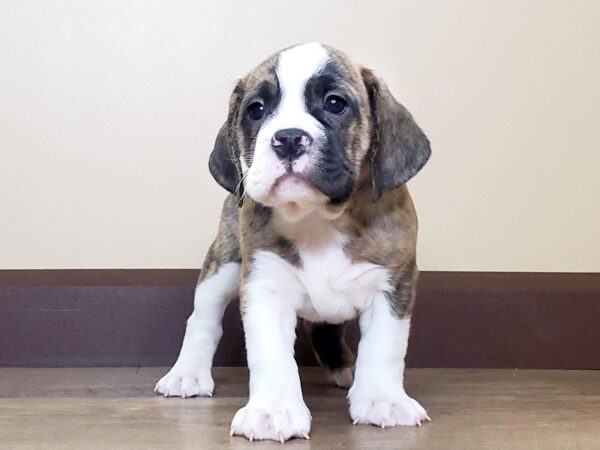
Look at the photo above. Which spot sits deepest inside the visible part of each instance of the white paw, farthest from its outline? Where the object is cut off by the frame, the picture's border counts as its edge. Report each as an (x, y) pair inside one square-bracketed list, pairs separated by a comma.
[(385, 409), (272, 417), (178, 383)]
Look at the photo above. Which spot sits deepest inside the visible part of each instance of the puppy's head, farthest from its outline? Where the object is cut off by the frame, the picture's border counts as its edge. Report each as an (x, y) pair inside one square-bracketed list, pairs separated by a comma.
[(305, 124)]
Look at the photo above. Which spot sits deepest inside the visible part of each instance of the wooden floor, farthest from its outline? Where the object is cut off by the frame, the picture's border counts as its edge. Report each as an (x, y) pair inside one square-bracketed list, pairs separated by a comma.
[(471, 409)]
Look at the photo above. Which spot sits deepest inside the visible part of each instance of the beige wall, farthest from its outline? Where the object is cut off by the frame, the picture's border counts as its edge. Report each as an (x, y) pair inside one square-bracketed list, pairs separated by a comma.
[(108, 110)]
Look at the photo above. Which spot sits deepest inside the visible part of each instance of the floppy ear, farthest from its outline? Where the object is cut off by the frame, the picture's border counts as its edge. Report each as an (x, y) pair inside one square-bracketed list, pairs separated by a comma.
[(399, 148), (224, 162)]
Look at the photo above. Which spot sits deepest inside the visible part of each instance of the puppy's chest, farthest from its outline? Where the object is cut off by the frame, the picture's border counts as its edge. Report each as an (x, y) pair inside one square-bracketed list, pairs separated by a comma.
[(337, 289)]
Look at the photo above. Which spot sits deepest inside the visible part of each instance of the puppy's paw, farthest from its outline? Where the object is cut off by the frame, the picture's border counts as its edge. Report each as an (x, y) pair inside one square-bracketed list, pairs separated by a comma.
[(180, 383), (341, 377), (374, 407), (274, 418)]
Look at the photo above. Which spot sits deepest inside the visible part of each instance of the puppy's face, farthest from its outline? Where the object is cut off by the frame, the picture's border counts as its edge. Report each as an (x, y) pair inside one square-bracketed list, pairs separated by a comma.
[(300, 128), (303, 130)]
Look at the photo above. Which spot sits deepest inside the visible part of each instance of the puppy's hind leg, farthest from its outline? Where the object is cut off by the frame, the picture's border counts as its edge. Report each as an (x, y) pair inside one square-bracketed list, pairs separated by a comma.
[(332, 352), (217, 286)]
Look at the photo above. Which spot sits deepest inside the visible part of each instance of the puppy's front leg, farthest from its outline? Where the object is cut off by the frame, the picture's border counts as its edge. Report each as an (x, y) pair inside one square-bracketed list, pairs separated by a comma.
[(377, 396), (190, 376), (275, 409)]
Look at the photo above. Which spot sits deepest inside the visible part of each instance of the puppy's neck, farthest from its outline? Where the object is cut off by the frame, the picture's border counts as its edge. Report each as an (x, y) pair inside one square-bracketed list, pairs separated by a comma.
[(313, 232)]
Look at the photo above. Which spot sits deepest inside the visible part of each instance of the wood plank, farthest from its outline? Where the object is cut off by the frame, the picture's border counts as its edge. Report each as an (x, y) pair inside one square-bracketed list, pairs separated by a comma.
[(471, 409)]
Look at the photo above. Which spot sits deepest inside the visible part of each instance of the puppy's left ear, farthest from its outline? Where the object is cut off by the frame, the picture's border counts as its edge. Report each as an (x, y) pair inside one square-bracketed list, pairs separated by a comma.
[(224, 163), (399, 148)]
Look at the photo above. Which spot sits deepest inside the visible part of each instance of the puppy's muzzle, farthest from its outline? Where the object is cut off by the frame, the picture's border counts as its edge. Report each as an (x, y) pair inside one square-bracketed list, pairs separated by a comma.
[(291, 143)]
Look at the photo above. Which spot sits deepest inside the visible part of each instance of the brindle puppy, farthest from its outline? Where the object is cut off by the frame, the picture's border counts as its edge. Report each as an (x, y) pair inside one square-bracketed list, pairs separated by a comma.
[(319, 224)]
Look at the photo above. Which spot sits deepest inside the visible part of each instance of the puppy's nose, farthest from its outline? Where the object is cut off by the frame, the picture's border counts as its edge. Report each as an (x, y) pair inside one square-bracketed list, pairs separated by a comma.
[(290, 143)]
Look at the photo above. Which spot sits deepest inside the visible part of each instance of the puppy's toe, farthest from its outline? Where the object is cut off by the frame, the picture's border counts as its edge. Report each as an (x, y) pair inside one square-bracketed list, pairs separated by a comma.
[(390, 409), (178, 383), (273, 419)]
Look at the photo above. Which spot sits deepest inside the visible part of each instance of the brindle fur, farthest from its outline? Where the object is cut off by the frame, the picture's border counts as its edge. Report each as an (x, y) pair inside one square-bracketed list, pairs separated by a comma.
[(386, 148), (258, 233), (226, 246)]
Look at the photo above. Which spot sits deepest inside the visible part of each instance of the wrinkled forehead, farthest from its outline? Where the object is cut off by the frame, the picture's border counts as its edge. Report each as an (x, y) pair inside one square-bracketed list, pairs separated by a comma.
[(290, 70)]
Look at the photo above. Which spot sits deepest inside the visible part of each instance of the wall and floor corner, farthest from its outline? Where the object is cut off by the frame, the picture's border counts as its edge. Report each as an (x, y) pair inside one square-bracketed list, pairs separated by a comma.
[(108, 112)]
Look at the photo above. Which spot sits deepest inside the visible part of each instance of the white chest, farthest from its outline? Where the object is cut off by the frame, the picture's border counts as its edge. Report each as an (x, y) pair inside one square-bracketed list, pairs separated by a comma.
[(336, 288)]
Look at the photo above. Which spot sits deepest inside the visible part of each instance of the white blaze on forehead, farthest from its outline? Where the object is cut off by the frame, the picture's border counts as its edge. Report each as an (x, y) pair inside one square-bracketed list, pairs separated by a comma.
[(296, 66)]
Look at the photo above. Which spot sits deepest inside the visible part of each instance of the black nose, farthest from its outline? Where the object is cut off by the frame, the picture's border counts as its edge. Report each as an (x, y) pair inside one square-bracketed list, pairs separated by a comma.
[(290, 143)]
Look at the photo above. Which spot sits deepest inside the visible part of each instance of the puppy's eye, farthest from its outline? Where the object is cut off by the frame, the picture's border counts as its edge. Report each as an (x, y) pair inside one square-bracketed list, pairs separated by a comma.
[(256, 110), (335, 104)]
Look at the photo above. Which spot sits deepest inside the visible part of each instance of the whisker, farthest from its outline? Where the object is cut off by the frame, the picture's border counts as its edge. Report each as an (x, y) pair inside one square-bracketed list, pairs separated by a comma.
[(242, 179)]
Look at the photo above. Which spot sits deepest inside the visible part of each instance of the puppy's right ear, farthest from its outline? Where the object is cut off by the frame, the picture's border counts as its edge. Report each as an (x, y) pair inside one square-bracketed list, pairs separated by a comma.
[(224, 163)]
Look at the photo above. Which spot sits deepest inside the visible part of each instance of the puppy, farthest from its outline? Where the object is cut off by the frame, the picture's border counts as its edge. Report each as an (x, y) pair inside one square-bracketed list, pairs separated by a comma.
[(319, 225)]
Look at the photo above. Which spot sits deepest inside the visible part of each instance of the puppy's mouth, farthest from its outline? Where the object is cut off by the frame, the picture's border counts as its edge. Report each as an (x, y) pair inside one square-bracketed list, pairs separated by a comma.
[(293, 187), (290, 179)]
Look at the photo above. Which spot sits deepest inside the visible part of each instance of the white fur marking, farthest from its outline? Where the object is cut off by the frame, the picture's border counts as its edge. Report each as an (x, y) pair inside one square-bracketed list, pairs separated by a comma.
[(377, 396), (336, 289), (191, 375), (275, 409)]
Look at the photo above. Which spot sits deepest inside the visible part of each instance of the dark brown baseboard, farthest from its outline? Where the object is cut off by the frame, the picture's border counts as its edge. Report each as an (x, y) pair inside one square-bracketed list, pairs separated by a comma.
[(137, 318)]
